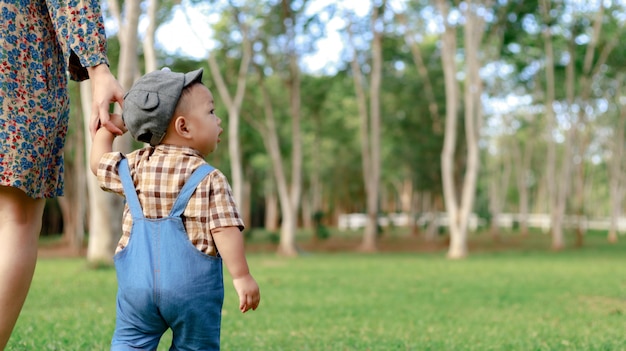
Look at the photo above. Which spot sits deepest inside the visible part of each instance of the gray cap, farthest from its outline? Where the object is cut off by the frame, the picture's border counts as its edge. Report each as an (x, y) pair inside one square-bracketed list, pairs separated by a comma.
[(150, 103)]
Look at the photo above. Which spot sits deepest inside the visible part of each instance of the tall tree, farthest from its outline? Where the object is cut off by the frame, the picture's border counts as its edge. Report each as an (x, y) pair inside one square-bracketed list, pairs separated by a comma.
[(522, 152), (596, 54), (499, 172), (370, 123), (102, 228), (279, 56), (233, 103), (558, 178), (76, 188), (105, 209), (616, 164), (293, 81), (271, 139), (149, 51), (459, 210)]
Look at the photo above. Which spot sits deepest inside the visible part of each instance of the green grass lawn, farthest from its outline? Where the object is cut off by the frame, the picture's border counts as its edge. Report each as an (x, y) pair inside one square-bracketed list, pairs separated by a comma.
[(515, 300)]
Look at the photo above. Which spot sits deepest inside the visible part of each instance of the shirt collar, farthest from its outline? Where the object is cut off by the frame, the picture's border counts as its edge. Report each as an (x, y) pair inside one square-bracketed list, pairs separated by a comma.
[(167, 149)]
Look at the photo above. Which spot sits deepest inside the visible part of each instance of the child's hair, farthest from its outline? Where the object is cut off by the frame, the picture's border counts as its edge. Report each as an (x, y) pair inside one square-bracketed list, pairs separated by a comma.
[(183, 105)]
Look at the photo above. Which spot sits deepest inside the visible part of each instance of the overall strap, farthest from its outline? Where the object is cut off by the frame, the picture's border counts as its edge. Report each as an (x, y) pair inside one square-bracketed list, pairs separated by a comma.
[(189, 188), (129, 190)]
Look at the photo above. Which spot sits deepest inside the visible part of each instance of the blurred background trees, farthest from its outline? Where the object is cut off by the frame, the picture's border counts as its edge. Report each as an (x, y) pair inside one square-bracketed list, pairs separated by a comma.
[(416, 107)]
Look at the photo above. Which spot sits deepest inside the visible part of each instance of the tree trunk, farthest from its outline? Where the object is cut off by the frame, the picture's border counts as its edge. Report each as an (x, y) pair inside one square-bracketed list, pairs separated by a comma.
[(406, 194), (473, 118), (373, 188), (233, 105), (128, 60), (148, 44), (494, 206), (246, 206), (591, 66), (615, 176), (102, 230), (579, 138), (316, 183), (290, 225), (458, 243), (431, 207), (271, 209), (307, 211), (553, 193), (106, 209), (370, 128), (542, 197), (370, 225), (522, 155), (287, 245), (414, 212), (498, 187), (73, 203), (459, 211)]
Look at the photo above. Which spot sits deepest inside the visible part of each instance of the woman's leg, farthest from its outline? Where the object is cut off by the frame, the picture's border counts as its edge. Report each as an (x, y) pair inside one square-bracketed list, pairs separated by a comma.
[(20, 224)]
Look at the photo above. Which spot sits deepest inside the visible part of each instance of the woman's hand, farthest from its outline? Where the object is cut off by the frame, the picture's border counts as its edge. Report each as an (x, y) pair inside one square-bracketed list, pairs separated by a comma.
[(105, 90)]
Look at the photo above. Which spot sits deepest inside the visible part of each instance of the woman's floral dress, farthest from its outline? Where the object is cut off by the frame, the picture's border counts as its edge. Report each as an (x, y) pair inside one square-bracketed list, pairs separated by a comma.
[(41, 41)]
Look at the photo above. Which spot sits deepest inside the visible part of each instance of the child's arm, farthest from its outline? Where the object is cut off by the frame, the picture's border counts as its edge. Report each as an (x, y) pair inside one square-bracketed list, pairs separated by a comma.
[(229, 242), (103, 142)]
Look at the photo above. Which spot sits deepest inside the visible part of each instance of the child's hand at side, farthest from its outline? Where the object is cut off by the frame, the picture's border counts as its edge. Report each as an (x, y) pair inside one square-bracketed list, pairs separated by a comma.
[(248, 291), (229, 242)]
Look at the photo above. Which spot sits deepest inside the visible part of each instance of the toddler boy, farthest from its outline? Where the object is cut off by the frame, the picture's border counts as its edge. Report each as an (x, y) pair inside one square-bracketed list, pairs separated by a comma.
[(180, 219)]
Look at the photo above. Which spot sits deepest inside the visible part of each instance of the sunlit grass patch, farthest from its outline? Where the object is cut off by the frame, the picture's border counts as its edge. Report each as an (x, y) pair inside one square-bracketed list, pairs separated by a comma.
[(518, 300)]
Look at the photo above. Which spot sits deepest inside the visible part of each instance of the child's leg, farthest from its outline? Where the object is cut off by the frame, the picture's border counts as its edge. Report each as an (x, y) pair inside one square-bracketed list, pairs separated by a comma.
[(194, 312), (20, 224)]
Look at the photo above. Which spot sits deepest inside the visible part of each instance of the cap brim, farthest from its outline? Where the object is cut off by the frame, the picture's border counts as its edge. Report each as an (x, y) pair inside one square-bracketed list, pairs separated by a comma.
[(193, 77)]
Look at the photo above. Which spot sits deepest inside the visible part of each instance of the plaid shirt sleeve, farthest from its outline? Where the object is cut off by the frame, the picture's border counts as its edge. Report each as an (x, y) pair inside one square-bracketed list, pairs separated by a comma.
[(222, 208), (108, 175)]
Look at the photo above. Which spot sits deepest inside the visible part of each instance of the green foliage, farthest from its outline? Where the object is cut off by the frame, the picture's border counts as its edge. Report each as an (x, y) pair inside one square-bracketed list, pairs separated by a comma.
[(522, 300), (407, 117), (274, 237), (512, 54), (319, 229)]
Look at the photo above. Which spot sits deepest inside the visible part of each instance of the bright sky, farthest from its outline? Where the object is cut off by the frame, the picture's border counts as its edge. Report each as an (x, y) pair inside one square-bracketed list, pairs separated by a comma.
[(189, 33)]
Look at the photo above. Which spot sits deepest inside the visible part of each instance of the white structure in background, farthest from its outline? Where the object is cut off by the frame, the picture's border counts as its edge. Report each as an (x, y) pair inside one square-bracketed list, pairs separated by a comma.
[(353, 221), (541, 220)]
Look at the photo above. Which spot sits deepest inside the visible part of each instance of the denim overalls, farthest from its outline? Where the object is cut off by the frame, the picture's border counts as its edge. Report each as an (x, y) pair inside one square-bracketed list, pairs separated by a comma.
[(164, 281)]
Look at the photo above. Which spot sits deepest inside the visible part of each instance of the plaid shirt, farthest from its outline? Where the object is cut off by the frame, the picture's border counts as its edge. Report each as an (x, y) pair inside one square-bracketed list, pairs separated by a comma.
[(159, 174)]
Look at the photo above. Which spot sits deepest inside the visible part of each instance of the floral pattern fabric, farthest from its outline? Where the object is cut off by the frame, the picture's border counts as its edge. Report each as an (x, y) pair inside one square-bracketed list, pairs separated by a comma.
[(40, 43)]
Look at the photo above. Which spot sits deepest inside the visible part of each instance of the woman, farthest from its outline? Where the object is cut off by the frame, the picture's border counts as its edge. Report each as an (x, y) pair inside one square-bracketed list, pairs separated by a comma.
[(41, 41)]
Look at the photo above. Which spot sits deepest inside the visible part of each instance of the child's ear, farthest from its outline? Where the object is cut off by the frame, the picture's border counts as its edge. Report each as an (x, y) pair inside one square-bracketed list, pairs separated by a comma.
[(181, 126)]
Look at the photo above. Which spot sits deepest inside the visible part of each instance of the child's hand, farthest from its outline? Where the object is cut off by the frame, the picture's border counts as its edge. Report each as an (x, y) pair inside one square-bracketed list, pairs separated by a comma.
[(248, 291), (117, 121)]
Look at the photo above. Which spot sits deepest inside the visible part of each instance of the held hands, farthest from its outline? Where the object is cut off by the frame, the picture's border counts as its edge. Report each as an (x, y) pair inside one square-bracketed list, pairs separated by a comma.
[(248, 291), (115, 119), (105, 90)]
